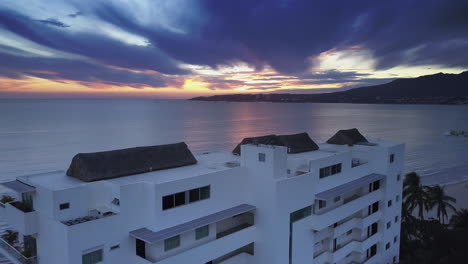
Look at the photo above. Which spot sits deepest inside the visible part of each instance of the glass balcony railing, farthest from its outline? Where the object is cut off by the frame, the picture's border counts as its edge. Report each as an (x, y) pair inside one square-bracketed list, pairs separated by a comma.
[(15, 253)]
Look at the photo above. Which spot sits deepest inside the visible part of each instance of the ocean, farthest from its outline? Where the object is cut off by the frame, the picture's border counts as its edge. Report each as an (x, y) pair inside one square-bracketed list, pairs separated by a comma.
[(43, 135)]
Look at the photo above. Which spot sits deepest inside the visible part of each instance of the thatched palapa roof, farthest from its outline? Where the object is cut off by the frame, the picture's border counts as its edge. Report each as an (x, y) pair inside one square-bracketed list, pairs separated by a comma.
[(298, 143), (97, 166), (347, 137), (263, 140), (295, 143)]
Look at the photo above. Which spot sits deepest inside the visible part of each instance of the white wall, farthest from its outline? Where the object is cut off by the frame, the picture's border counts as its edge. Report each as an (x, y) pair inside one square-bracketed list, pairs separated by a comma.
[(79, 200)]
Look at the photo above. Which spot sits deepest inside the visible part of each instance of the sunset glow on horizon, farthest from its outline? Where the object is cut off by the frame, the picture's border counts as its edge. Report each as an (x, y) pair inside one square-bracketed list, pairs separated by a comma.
[(119, 49)]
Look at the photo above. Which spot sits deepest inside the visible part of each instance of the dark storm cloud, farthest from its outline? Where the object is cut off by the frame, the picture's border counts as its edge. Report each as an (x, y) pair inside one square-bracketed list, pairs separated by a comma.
[(333, 75), (283, 34), (195, 47), (53, 22), (95, 46), (16, 67), (76, 14)]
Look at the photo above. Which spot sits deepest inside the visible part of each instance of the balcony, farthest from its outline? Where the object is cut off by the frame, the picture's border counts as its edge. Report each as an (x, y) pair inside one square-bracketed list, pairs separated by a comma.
[(21, 217), (12, 251), (213, 249), (355, 245), (235, 224), (357, 222), (322, 220)]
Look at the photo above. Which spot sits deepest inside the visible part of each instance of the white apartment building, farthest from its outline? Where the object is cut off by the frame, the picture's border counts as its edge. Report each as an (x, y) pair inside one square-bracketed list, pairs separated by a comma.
[(274, 200)]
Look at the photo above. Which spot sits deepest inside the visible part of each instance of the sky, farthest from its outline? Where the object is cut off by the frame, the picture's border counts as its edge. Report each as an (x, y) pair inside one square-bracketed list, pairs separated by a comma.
[(186, 48)]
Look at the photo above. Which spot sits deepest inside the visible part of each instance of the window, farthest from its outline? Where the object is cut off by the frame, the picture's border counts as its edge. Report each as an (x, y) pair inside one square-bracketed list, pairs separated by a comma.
[(194, 195), (372, 229), (64, 206), (397, 198), (261, 157), (140, 248), (374, 186), (392, 158), (202, 232), (330, 170), (299, 214), (181, 198), (395, 239), (337, 199), (205, 192), (372, 251), (322, 204), (336, 169), (389, 224), (394, 259), (349, 232), (115, 247), (168, 202), (387, 246), (389, 203), (396, 219), (398, 177), (373, 208), (92, 257), (171, 243)]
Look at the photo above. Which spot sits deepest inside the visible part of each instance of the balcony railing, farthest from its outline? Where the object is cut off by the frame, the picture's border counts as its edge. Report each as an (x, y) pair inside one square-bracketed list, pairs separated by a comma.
[(357, 162), (352, 198), (232, 230), (25, 208), (12, 251), (21, 217)]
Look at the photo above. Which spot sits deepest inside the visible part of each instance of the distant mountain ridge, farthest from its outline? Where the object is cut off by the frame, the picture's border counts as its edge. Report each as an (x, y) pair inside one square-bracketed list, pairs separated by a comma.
[(437, 88)]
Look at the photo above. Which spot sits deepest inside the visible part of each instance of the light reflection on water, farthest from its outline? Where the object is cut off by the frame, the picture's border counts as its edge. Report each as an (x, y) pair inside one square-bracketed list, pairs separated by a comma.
[(43, 135)]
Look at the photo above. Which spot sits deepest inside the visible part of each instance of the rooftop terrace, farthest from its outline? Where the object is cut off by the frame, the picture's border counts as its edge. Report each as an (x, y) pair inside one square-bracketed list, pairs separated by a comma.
[(208, 162)]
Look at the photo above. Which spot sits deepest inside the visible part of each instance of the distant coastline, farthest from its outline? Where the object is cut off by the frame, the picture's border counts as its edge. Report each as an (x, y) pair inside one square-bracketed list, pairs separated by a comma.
[(444, 89), (305, 98)]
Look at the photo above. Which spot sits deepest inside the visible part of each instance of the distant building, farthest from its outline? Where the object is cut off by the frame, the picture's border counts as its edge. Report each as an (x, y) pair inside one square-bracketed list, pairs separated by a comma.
[(268, 205)]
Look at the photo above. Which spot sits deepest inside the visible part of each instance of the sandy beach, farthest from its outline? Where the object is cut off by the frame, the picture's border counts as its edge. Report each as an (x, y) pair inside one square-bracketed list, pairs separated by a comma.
[(458, 191)]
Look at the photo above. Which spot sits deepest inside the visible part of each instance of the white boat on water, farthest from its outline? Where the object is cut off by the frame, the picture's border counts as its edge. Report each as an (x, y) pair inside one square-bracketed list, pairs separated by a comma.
[(456, 133)]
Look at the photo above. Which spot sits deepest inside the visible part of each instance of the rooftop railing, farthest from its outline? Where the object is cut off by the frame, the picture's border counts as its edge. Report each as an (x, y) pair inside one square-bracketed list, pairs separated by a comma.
[(87, 218)]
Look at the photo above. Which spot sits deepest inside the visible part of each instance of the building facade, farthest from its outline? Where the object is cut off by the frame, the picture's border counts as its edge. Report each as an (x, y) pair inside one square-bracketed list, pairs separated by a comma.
[(338, 204)]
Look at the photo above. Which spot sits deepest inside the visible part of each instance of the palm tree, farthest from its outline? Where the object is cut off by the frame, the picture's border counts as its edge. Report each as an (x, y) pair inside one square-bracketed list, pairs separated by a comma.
[(460, 219), (438, 198), (409, 223), (415, 195)]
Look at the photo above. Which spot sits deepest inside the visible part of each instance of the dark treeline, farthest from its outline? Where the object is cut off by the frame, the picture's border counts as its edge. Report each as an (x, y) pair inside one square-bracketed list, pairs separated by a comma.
[(431, 241)]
